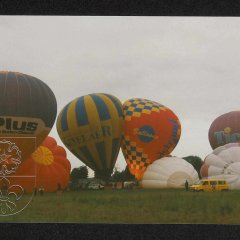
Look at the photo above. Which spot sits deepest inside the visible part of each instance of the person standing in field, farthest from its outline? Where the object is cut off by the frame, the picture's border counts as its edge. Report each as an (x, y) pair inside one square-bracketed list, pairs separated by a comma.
[(186, 185), (41, 190), (35, 191), (4, 189)]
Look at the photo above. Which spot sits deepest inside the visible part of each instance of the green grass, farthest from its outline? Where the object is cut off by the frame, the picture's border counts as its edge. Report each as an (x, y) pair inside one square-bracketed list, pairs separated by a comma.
[(133, 206)]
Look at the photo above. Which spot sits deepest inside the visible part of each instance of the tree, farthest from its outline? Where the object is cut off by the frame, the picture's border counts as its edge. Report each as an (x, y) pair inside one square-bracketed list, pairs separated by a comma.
[(79, 173), (116, 176), (83, 172), (104, 175), (127, 175), (196, 163), (122, 176)]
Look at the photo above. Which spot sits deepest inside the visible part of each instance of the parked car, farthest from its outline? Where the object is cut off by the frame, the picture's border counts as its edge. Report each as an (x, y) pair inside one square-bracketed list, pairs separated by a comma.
[(129, 184), (95, 186), (210, 185)]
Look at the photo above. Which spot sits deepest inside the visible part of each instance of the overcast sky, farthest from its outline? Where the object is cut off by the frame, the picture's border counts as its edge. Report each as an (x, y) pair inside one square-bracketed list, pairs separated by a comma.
[(189, 64)]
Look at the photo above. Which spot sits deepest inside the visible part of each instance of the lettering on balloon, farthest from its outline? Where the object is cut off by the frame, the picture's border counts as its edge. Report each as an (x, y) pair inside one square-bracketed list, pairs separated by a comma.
[(13, 126), (173, 139), (226, 136), (146, 133), (174, 130), (95, 135)]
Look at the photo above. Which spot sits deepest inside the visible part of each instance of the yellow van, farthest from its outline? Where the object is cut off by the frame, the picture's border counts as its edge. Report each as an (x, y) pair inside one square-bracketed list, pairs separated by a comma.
[(210, 185)]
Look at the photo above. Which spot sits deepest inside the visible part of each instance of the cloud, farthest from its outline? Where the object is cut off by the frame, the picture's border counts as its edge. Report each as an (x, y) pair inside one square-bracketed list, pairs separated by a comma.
[(190, 65)]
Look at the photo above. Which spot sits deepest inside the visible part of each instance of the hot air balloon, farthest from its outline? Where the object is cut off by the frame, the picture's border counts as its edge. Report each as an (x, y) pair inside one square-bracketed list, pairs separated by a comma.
[(223, 163), (169, 172), (28, 109), (225, 129), (91, 128), (49, 164), (151, 131)]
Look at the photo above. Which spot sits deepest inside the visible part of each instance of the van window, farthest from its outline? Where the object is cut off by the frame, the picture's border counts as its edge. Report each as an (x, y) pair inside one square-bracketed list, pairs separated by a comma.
[(221, 182), (205, 183), (213, 182)]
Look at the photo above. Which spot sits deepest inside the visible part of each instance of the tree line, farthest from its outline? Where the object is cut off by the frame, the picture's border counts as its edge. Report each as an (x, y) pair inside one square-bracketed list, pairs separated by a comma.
[(124, 175)]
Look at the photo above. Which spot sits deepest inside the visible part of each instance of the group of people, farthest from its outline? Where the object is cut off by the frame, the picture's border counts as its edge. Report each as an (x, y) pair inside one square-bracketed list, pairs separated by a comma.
[(41, 190)]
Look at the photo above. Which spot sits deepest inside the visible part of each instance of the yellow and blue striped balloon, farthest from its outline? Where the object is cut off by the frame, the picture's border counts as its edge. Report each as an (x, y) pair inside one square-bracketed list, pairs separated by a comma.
[(91, 128)]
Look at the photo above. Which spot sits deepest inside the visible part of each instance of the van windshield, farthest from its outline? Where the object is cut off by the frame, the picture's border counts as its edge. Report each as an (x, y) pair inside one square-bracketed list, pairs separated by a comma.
[(199, 182), (203, 182)]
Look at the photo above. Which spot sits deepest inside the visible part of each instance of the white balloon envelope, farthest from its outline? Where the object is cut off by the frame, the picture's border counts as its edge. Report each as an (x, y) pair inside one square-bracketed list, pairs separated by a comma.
[(169, 172), (223, 163)]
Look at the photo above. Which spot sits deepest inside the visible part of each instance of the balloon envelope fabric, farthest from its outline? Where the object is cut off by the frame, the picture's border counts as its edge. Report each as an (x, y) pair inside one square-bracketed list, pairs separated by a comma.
[(28, 108), (150, 130), (169, 172), (223, 163), (225, 129), (50, 165), (91, 128)]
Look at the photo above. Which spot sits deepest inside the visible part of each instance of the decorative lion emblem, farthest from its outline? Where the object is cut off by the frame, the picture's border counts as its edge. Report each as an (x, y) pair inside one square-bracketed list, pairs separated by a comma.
[(10, 157), (9, 195)]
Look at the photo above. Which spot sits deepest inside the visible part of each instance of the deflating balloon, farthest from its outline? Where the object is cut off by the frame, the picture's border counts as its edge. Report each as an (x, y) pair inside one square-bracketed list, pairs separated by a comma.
[(223, 163), (91, 128), (49, 164), (151, 131), (169, 172), (28, 108), (225, 129)]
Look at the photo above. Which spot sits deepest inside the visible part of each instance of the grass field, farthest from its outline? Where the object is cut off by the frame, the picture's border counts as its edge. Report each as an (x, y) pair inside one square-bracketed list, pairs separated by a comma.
[(132, 206)]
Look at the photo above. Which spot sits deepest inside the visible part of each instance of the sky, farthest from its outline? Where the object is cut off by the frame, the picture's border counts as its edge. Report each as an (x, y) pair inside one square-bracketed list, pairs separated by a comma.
[(189, 64)]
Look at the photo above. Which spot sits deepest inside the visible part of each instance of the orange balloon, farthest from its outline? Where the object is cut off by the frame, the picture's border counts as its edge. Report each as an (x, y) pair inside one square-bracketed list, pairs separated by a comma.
[(50, 165), (151, 131)]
